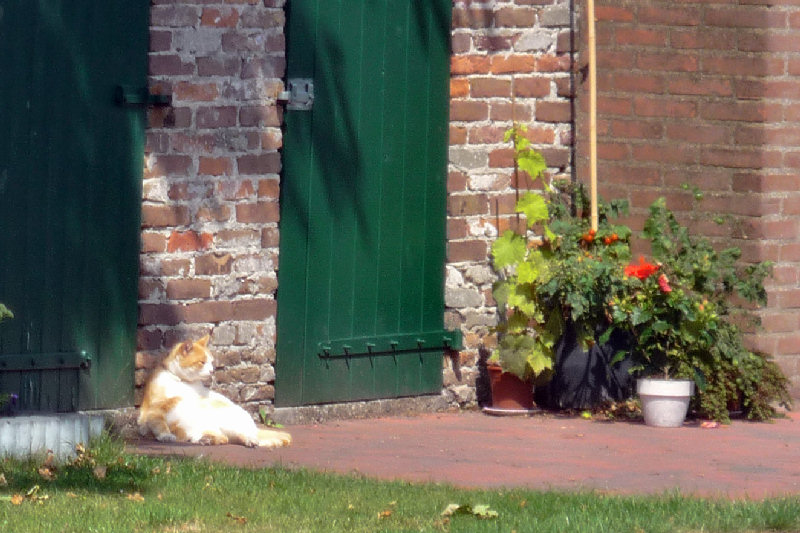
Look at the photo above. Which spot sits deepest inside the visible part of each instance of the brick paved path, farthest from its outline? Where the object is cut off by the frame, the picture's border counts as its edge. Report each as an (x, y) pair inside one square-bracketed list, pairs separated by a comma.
[(471, 449)]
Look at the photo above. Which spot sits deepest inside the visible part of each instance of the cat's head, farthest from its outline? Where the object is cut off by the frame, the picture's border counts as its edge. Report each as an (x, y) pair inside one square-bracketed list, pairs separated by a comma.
[(191, 361)]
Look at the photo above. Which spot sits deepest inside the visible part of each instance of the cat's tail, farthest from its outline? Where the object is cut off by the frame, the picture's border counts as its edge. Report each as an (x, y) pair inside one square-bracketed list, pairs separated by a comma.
[(271, 438)]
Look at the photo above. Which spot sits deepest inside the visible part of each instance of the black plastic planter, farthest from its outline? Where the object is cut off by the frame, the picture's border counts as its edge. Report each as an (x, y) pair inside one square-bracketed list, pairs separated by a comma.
[(584, 379)]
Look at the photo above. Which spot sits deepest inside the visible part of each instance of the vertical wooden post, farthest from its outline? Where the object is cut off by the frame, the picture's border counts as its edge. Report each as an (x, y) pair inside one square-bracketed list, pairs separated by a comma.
[(592, 111)]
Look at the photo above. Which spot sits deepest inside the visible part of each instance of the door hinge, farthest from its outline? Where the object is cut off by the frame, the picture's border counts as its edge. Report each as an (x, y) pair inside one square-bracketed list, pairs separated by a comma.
[(299, 94)]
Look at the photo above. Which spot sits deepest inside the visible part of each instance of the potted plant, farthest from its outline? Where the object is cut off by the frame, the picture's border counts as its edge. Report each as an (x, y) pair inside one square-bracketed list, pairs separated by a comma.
[(563, 285), (554, 277), (677, 310)]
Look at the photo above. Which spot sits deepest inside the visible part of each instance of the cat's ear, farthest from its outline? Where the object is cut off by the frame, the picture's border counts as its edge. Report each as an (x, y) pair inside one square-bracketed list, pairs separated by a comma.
[(204, 341)]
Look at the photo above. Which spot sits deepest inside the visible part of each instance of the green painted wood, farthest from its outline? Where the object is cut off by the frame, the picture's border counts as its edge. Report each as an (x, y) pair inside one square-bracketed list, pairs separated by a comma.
[(363, 197), (70, 196)]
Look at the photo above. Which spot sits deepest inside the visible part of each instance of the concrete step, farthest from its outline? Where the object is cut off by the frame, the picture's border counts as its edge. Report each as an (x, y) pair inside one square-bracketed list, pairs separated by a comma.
[(24, 436)]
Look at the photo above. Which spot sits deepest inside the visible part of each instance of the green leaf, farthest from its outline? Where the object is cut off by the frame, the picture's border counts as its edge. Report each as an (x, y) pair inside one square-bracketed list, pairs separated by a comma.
[(500, 291), (527, 272), (640, 316), (534, 207), (509, 249), (531, 162), (618, 357), (484, 511), (531, 270)]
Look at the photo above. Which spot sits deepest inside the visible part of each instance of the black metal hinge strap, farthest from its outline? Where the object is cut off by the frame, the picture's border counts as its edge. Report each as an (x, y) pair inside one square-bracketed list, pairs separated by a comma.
[(45, 361), (390, 344)]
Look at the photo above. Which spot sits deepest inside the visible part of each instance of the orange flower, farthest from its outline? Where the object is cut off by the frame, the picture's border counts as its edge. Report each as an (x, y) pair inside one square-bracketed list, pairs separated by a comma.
[(663, 283), (642, 271)]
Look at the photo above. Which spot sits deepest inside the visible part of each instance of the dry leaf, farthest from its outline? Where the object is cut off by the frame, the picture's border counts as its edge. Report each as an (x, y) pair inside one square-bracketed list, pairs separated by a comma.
[(385, 513), (240, 519), (46, 473), (136, 497), (100, 472), (3, 481), (17, 499), (71, 495)]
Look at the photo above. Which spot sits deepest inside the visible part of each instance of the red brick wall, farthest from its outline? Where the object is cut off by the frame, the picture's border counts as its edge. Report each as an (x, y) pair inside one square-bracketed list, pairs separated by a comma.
[(699, 91), (212, 165), (511, 61), (211, 181), (707, 92)]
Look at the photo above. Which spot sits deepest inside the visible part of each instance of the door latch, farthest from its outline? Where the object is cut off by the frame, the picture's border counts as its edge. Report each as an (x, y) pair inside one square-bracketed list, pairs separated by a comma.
[(299, 95), (139, 96)]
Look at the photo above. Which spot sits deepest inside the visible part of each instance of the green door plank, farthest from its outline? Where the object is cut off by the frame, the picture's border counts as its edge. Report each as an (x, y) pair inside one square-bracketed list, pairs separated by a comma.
[(360, 221), (70, 182)]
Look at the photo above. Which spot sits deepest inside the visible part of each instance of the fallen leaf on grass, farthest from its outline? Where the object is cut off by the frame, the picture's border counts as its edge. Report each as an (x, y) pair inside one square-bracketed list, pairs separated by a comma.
[(135, 497), (17, 499), (480, 511), (386, 513), (239, 519), (46, 473)]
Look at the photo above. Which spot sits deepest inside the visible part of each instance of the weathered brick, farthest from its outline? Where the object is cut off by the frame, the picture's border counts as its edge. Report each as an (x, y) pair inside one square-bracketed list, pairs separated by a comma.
[(164, 216), (468, 110), (153, 242), (258, 213), (213, 264), (269, 163), (461, 251), (188, 289), (513, 64), (218, 66), (489, 87), (467, 204), (269, 188), (188, 241), (270, 116), (168, 65), (216, 117), (553, 111), (219, 18), (191, 91), (175, 16), (215, 166), (470, 64), (270, 67)]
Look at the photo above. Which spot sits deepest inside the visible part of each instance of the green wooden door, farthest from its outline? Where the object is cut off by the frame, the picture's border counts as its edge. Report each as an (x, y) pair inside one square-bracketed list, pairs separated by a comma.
[(360, 305), (70, 181)]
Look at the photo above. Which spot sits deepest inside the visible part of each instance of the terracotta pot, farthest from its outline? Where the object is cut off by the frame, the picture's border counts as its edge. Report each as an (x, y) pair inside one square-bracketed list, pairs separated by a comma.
[(508, 391)]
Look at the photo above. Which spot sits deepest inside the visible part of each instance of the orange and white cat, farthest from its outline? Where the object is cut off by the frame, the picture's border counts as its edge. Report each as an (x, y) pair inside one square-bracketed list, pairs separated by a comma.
[(177, 406)]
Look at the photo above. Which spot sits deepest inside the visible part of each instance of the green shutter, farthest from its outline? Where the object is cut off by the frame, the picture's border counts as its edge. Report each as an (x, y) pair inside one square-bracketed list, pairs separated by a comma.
[(70, 196), (360, 304)]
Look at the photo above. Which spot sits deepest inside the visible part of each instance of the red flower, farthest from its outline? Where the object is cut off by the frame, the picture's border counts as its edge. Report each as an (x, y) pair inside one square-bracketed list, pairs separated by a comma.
[(642, 271), (663, 282)]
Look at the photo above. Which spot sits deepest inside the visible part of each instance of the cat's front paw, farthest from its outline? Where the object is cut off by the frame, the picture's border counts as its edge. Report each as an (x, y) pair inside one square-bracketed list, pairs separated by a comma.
[(166, 437)]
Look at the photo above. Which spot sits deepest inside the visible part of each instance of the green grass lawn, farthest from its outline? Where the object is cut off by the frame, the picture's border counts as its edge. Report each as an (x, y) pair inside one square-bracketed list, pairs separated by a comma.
[(104, 490)]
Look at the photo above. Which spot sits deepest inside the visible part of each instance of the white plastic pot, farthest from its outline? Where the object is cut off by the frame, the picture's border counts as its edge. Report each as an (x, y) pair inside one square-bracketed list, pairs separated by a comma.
[(665, 402)]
